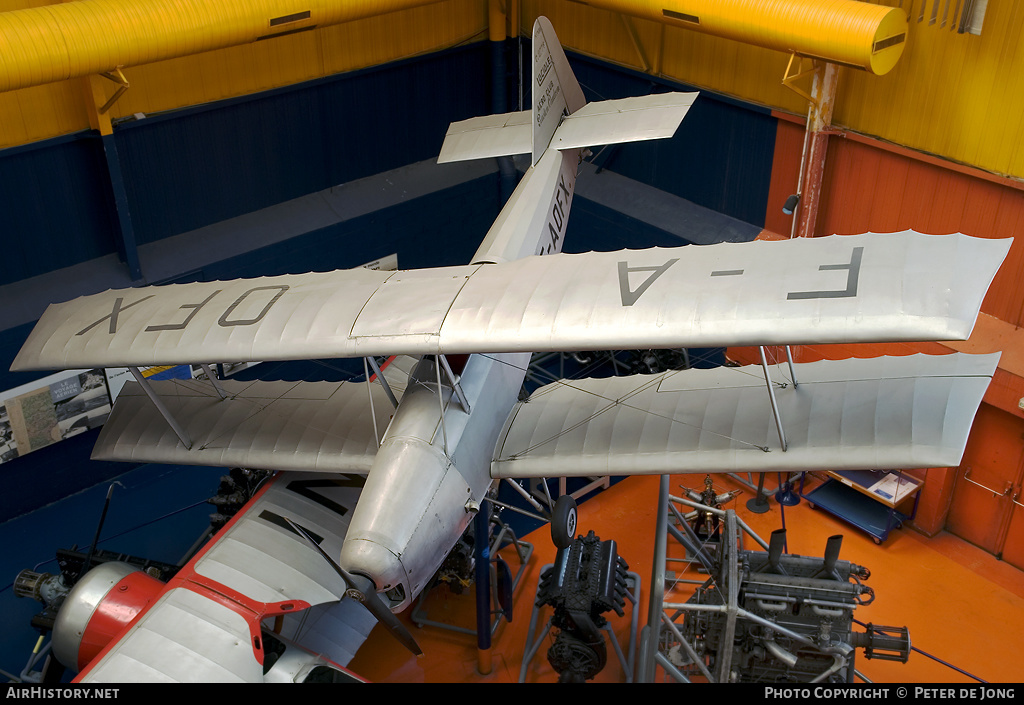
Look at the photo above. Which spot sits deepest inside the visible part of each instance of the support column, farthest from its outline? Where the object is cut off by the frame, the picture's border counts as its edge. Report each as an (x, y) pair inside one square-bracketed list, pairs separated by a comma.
[(99, 119), (812, 166)]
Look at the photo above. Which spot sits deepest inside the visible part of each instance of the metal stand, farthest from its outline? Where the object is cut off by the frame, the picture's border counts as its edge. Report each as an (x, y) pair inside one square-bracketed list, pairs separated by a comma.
[(785, 494), (662, 616), (759, 504), (729, 630), (628, 662), (505, 537)]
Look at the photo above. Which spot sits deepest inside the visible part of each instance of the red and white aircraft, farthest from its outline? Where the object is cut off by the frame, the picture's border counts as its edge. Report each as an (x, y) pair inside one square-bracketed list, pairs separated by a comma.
[(384, 480)]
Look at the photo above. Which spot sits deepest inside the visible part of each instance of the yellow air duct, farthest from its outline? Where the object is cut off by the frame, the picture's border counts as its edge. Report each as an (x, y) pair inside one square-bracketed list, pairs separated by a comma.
[(847, 32), (57, 42)]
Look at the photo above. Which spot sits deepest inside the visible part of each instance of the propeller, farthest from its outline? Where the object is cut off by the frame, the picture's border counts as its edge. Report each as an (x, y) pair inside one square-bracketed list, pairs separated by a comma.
[(362, 588)]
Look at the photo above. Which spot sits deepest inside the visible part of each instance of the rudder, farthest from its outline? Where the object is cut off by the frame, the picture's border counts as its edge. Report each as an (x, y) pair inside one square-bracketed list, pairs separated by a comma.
[(556, 92)]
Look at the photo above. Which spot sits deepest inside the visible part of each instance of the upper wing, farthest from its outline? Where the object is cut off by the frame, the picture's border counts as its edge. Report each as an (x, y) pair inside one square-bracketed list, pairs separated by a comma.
[(889, 412), (872, 287), (206, 625)]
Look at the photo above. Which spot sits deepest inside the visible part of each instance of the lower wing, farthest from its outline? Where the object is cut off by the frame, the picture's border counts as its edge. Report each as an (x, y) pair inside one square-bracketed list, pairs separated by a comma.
[(300, 426), (889, 412)]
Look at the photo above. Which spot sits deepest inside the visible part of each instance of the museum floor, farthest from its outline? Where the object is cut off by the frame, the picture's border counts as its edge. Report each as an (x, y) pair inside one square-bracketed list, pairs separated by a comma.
[(960, 604), (963, 607)]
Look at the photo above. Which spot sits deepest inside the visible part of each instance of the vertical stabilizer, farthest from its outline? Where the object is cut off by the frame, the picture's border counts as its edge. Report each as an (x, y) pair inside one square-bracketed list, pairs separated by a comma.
[(556, 92)]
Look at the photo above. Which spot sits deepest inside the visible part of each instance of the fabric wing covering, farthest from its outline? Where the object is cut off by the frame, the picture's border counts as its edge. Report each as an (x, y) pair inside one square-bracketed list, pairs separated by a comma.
[(205, 626), (889, 412), (871, 288)]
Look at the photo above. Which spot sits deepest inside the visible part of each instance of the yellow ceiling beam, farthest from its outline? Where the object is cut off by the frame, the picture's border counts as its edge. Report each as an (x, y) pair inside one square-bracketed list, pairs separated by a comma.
[(56, 42), (846, 32)]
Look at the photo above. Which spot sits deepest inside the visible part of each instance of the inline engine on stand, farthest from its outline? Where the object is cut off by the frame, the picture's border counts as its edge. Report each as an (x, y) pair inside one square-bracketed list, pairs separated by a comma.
[(767, 616), (587, 579)]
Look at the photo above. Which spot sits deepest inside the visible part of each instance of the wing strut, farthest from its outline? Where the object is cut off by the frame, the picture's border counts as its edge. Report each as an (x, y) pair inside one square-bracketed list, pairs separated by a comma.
[(213, 380), (158, 403), (369, 393), (456, 387), (771, 396), (383, 382)]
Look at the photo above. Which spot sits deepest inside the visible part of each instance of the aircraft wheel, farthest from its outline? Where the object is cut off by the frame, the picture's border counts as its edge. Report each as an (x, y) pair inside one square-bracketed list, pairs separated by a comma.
[(563, 521)]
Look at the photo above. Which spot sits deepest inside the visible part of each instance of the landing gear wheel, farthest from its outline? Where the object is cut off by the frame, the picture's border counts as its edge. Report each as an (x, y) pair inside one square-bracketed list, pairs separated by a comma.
[(563, 521)]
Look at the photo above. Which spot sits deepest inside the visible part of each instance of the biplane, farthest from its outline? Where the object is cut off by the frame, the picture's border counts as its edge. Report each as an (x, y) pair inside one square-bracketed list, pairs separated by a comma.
[(374, 483)]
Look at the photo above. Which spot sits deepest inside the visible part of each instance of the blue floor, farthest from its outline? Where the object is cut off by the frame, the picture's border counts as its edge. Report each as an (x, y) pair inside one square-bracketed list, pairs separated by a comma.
[(156, 512)]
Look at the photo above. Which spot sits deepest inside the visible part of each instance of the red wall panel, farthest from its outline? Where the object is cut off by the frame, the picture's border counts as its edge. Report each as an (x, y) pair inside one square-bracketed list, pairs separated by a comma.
[(870, 188)]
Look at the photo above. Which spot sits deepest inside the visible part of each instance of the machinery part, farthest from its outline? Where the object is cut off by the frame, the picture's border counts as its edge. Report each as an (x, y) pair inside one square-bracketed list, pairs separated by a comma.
[(361, 588), (577, 659), (705, 523), (235, 489), (587, 579), (50, 590), (884, 643), (563, 521), (458, 567), (769, 616), (97, 608), (42, 587)]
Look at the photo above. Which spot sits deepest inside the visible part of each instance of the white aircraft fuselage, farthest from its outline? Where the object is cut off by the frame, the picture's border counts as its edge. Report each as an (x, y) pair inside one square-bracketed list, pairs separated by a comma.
[(432, 470)]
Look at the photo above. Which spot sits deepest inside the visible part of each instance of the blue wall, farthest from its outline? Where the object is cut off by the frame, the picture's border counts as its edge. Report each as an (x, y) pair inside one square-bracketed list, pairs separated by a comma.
[(57, 207), (190, 168), (720, 157)]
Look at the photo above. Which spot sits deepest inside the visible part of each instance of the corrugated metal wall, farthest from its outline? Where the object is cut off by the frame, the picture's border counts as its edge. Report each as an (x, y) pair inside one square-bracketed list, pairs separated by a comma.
[(960, 96), (871, 189), (189, 170), (55, 211)]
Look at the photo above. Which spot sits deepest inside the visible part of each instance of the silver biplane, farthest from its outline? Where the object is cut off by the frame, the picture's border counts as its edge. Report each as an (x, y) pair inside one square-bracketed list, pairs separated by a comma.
[(384, 478)]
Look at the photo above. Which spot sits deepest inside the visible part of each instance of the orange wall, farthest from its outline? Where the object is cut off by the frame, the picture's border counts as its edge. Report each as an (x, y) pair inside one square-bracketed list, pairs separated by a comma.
[(872, 187)]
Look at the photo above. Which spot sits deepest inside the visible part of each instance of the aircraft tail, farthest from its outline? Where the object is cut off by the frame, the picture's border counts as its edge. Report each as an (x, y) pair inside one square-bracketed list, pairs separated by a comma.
[(560, 116), (556, 92)]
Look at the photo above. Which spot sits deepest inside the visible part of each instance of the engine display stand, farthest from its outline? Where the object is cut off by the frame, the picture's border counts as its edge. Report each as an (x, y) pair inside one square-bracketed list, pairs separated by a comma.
[(627, 660), (505, 537)]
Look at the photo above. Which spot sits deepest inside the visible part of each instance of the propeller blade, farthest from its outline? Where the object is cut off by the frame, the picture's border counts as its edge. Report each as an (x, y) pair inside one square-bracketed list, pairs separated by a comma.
[(363, 589)]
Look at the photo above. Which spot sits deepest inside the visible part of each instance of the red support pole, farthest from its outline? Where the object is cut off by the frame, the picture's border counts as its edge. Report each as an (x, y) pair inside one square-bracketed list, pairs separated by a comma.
[(812, 168)]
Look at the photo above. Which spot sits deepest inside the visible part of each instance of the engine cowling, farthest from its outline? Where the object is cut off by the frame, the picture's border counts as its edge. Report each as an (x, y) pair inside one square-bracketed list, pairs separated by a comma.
[(101, 604)]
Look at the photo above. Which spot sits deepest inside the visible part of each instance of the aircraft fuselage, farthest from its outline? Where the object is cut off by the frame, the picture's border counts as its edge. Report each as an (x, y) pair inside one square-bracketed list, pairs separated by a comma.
[(432, 470)]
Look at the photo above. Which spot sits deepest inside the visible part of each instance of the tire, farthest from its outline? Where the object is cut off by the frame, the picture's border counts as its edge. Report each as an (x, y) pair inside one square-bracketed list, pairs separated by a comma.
[(563, 521)]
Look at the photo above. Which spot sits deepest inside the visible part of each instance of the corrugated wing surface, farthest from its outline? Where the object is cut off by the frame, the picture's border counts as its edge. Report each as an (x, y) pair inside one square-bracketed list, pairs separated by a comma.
[(889, 412)]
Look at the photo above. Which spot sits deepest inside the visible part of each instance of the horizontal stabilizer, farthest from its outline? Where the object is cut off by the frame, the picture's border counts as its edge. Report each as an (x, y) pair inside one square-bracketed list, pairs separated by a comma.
[(487, 136), (648, 117), (852, 288), (311, 426), (857, 414)]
